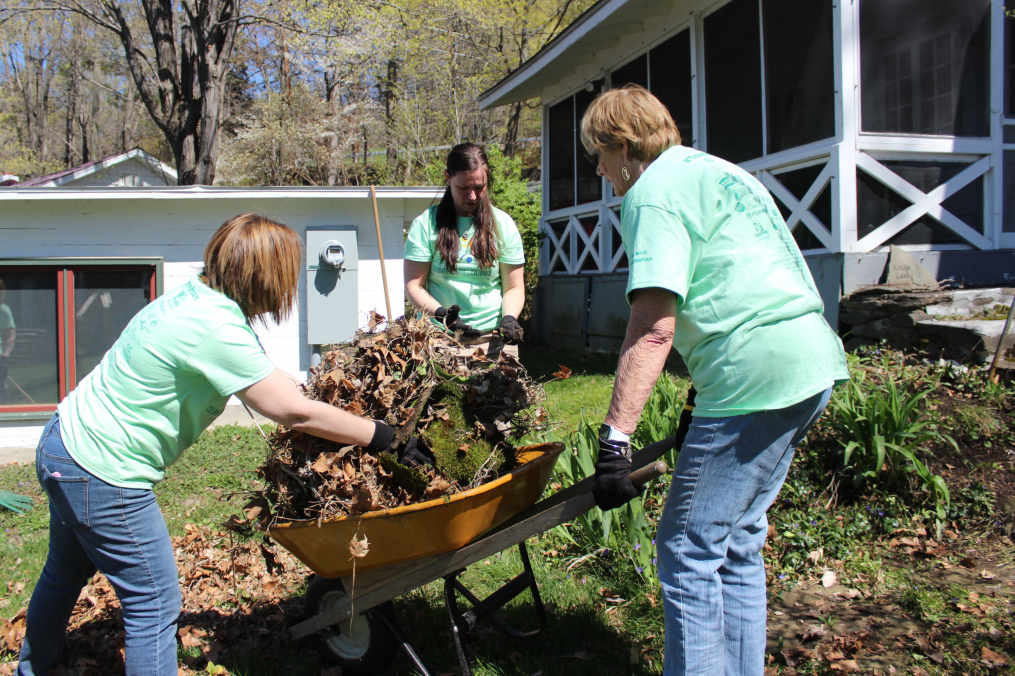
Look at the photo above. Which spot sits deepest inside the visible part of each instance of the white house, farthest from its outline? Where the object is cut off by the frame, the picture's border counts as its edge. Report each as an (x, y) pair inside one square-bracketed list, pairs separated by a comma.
[(872, 122), (77, 264), (132, 169)]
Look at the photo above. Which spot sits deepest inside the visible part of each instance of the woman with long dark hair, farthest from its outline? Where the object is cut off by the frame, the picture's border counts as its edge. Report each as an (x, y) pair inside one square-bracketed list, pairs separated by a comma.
[(464, 259)]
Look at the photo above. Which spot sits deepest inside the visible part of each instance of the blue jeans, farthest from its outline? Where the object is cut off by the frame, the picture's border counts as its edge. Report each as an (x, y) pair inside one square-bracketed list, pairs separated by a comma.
[(710, 536), (120, 531)]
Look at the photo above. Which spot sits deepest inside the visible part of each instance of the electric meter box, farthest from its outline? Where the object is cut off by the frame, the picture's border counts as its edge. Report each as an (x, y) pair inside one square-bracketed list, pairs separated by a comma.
[(332, 283)]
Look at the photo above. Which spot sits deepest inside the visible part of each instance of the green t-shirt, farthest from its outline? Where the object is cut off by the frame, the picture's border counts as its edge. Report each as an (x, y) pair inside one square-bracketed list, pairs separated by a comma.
[(476, 290), (749, 321), (6, 323), (166, 378)]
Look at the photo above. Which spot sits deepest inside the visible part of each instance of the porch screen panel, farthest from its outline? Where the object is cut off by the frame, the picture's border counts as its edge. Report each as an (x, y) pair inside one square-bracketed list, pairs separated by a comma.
[(670, 74), (104, 302), (733, 82), (924, 66), (589, 185), (633, 72), (32, 344), (1009, 59), (561, 154), (799, 80), (1009, 191)]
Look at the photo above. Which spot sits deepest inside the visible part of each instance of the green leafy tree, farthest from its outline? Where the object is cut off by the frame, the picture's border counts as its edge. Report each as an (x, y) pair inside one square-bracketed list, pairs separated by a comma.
[(511, 193)]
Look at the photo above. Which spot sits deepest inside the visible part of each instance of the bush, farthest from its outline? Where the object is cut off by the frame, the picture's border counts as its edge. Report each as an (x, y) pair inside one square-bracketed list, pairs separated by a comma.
[(881, 428)]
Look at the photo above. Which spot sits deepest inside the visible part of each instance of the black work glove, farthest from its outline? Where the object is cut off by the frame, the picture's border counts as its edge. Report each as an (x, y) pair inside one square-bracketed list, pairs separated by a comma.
[(611, 486), (449, 317), (384, 436), (4, 365), (511, 331), (415, 454)]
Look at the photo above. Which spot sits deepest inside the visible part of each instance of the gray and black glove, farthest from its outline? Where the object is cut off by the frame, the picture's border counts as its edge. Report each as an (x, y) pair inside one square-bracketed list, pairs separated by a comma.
[(449, 317), (611, 486), (4, 365), (511, 331)]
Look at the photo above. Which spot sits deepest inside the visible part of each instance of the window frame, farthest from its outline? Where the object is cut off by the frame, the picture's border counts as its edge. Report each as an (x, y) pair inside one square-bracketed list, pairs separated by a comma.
[(66, 361)]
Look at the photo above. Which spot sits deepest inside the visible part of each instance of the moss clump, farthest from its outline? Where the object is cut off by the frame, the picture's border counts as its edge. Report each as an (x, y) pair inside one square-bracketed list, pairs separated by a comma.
[(447, 438), (412, 479)]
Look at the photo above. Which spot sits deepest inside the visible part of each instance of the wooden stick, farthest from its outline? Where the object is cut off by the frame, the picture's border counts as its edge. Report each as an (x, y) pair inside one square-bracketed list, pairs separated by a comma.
[(1000, 342), (380, 248)]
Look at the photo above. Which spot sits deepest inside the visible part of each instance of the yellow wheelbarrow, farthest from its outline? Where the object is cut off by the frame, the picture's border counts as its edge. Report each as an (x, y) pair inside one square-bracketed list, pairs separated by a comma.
[(414, 545)]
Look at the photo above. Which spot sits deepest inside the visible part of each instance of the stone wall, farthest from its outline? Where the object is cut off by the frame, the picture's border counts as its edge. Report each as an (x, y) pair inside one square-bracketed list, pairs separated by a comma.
[(914, 319)]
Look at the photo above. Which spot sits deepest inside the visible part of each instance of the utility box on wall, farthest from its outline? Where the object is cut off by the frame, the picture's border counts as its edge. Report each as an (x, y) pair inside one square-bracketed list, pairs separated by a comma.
[(332, 283)]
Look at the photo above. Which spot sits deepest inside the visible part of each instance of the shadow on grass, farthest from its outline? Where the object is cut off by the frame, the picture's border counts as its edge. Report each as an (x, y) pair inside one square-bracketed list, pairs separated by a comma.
[(577, 640), (542, 361)]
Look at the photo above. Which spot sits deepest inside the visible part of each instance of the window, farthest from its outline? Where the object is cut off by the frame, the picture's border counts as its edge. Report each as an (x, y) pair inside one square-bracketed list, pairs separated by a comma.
[(924, 66), (573, 178), (561, 154), (799, 79), (64, 320), (670, 80), (634, 72), (665, 70), (733, 82)]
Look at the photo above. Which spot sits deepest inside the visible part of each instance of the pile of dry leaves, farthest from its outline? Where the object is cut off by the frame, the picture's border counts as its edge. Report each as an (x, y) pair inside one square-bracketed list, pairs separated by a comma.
[(236, 597), (466, 411)]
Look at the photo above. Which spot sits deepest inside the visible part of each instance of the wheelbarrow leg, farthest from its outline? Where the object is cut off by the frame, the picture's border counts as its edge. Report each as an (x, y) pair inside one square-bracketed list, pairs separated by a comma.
[(399, 633), (463, 623), (457, 623)]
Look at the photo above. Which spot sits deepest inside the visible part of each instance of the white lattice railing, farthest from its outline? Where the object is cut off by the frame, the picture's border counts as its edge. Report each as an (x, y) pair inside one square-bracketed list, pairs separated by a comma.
[(586, 239)]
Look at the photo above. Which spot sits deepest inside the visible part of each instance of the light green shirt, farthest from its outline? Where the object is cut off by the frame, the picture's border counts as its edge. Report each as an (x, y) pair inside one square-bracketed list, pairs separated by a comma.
[(6, 323), (476, 290), (749, 321), (166, 378)]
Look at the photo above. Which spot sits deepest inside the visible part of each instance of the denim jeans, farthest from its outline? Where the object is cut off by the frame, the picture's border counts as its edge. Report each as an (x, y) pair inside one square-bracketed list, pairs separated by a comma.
[(120, 531), (710, 536)]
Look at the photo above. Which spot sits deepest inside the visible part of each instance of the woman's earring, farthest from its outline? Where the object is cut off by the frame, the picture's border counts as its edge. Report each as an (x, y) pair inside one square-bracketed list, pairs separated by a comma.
[(625, 173)]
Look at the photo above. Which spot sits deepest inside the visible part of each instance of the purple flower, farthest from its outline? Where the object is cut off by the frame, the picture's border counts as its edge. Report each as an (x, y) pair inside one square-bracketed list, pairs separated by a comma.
[(653, 543), (584, 580), (813, 522), (880, 513), (782, 576), (639, 569), (653, 560), (637, 546)]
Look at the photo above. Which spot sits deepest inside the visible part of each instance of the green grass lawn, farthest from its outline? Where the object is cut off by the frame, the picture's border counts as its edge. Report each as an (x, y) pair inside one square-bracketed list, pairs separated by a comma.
[(605, 618)]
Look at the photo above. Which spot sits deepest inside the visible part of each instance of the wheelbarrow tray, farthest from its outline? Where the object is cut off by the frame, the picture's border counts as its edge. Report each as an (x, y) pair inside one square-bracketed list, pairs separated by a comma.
[(421, 530)]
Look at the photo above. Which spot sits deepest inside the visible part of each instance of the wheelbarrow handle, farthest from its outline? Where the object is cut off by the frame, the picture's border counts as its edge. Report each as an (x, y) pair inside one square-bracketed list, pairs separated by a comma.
[(646, 474)]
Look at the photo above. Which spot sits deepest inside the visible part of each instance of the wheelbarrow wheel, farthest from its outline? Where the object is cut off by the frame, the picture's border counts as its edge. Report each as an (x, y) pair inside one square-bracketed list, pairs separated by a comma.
[(364, 645)]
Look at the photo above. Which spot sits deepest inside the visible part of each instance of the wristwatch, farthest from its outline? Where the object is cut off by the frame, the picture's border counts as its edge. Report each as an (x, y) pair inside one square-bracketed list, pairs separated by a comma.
[(614, 441)]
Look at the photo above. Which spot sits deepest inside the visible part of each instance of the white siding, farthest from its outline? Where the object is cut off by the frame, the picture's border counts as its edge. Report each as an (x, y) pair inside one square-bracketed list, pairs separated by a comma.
[(177, 231), (113, 176)]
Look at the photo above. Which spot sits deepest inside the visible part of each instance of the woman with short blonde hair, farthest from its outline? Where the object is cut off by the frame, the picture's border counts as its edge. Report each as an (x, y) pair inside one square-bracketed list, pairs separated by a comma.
[(715, 273), (167, 377)]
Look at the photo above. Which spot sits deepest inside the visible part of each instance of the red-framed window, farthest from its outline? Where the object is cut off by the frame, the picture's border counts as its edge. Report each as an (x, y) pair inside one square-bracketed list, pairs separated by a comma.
[(57, 322)]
